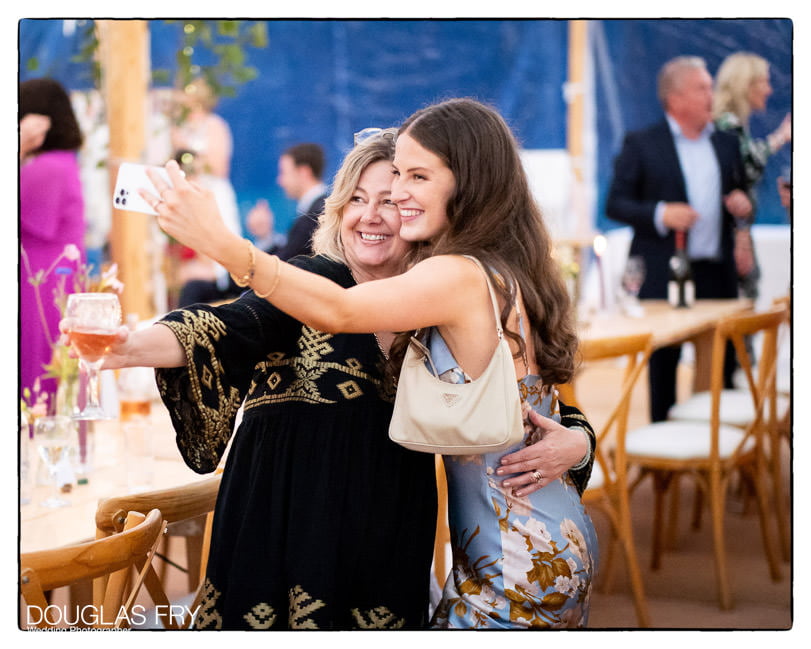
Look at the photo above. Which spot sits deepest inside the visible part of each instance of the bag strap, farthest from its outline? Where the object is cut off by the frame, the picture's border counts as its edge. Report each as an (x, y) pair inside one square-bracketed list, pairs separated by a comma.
[(496, 311), (492, 295), (426, 353)]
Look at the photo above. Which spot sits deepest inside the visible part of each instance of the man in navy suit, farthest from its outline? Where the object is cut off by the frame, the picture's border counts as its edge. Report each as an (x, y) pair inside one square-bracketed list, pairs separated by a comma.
[(681, 174), (301, 168)]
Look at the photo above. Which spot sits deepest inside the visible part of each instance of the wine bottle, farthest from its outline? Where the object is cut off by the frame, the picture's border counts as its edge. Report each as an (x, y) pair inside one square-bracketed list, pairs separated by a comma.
[(681, 290)]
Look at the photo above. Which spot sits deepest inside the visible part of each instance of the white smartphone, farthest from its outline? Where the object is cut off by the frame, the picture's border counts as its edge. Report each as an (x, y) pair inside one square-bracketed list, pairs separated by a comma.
[(131, 178)]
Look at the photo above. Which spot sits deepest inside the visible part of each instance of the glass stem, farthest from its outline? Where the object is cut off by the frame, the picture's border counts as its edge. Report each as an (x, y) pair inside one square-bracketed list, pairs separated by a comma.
[(93, 375)]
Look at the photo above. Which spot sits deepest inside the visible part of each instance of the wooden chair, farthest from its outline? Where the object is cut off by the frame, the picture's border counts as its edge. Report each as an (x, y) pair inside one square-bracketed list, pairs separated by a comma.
[(188, 502), (739, 408), (607, 489), (711, 451), (783, 430), (784, 339), (108, 561), (442, 538)]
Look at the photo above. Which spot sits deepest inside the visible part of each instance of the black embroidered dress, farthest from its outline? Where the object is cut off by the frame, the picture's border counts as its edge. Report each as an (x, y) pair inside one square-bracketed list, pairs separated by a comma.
[(321, 521)]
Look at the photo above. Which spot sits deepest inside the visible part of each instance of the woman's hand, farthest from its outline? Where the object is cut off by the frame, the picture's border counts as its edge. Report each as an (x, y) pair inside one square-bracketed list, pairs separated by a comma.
[(558, 450), (188, 212), (154, 346), (738, 204), (115, 358), (33, 129)]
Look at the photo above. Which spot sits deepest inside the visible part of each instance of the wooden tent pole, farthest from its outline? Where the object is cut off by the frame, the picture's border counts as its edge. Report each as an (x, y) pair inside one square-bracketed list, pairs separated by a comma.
[(124, 57), (578, 42)]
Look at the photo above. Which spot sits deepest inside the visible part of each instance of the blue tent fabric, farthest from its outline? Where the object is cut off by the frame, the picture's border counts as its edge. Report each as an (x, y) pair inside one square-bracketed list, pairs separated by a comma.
[(322, 80)]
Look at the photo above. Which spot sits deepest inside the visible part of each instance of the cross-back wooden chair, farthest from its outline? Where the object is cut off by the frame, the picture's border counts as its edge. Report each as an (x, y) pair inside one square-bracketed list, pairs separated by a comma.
[(108, 561), (784, 338), (607, 489), (712, 451), (783, 430), (184, 503), (783, 383), (739, 408), (442, 537)]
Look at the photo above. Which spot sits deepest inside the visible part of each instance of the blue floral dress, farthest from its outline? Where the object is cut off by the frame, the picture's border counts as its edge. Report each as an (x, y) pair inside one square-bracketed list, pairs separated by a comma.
[(517, 562)]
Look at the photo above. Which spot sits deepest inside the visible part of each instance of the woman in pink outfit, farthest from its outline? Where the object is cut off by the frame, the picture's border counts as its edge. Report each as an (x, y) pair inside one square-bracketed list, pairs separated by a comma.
[(51, 213)]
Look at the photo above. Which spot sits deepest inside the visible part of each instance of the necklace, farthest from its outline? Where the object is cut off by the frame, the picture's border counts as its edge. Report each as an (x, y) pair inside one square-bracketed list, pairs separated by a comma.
[(377, 340)]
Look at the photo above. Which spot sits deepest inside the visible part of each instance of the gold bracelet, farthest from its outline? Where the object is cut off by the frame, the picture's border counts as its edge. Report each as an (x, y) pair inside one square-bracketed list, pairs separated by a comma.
[(275, 279), (247, 278)]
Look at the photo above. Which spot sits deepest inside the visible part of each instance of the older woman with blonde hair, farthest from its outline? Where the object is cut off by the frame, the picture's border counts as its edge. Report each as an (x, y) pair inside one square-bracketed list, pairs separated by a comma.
[(742, 87)]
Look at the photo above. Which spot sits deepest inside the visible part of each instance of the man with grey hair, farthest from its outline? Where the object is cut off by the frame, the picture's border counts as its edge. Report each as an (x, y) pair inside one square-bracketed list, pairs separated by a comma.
[(681, 175)]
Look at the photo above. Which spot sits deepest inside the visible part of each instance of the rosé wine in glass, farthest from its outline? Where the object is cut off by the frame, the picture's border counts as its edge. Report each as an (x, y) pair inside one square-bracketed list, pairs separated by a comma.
[(94, 320)]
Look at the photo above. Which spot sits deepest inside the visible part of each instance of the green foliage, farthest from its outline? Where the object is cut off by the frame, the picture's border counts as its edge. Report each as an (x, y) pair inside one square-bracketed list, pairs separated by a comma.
[(228, 40), (88, 48)]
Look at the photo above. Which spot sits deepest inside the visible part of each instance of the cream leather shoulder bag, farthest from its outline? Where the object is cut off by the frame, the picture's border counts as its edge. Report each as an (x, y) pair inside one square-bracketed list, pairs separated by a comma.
[(433, 416)]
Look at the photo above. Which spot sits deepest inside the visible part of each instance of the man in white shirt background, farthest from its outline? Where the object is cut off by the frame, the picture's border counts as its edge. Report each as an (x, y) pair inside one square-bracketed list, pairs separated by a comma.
[(681, 174)]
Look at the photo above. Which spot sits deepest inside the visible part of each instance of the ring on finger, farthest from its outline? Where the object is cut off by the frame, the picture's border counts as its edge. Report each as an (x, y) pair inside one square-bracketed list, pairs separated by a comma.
[(537, 476), (156, 203)]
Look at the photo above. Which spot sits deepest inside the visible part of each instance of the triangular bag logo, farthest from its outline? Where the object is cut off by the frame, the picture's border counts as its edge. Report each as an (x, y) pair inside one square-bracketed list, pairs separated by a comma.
[(450, 399)]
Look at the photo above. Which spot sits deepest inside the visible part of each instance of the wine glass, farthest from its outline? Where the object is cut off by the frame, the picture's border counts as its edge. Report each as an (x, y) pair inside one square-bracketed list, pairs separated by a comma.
[(94, 319), (54, 437), (633, 276)]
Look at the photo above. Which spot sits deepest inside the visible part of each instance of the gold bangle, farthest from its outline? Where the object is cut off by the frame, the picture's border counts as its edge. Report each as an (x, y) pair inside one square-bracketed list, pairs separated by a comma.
[(247, 278), (275, 279)]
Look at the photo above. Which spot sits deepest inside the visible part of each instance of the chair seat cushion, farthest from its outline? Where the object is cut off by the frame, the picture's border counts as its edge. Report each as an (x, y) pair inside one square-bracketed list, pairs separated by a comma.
[(737, 408), (783, 380), (682, 440)]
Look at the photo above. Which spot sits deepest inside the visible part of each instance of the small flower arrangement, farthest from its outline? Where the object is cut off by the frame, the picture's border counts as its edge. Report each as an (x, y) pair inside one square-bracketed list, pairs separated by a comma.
[(74, 277), (567, 258)]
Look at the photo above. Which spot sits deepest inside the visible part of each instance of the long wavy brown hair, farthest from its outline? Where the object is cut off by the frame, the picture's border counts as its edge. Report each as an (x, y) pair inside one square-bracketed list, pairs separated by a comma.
[(493, 216)]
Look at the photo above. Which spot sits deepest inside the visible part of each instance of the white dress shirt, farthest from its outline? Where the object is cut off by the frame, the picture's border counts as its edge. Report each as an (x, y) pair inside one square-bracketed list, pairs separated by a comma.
[(702, 179)]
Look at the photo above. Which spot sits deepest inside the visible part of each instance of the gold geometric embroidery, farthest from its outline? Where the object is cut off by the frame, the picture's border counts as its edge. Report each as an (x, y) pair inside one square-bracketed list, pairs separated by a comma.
[(350, 389), (274, 380), (208, 615), (197, 333), (261, 616), (207, 377), (301, 606), (377, 618), (305, 376), (313, 344)]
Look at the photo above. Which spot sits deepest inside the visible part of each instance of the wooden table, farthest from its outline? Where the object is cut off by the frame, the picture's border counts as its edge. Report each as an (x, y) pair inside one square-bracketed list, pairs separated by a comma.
[(671, 326), (42, 528)]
